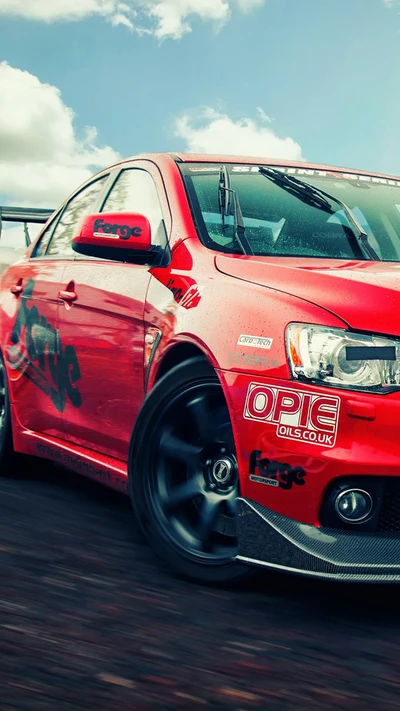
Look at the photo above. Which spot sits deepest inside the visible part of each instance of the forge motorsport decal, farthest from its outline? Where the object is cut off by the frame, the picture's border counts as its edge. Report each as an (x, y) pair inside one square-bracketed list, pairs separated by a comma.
[(274, 473), (37, 352), (297, 415), (117, 231)]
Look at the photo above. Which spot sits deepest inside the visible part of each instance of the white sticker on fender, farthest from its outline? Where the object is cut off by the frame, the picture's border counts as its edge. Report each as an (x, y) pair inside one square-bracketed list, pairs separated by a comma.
[(297, 415), (255, 342)]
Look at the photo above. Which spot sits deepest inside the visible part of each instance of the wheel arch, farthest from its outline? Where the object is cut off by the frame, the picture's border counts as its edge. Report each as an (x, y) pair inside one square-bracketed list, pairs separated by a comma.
[(177, 354), (180, 352), (186, 350)]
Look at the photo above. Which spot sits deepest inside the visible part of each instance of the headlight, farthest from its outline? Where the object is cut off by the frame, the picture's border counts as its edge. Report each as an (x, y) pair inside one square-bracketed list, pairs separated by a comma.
[(336, 357)]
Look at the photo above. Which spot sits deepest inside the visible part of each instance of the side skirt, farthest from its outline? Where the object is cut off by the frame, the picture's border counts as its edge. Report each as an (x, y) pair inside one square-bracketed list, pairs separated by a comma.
[(108, 471)]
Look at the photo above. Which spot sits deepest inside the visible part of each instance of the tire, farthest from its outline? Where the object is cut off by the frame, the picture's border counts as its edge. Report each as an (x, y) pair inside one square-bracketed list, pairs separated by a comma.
[(6, 445), (183, 476)]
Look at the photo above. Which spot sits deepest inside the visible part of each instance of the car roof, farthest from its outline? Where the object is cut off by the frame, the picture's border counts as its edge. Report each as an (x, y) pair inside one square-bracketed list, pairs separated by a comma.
[(180, 157)]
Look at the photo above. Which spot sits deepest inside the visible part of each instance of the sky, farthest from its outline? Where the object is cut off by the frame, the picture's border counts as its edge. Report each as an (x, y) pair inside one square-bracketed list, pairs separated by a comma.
[(83, 82)]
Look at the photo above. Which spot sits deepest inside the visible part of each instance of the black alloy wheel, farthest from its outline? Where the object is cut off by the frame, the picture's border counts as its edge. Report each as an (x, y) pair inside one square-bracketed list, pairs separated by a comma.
[(183, 475)]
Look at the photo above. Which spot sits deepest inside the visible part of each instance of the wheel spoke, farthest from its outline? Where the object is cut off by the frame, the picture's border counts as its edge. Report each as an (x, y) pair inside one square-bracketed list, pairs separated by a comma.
[(177, 448), (202, 417), (222, 430), (194, 500), (182, 494), (209, 513), (223, 434)]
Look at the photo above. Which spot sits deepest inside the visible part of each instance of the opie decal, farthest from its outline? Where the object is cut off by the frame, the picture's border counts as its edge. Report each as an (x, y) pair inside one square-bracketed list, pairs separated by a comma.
[(115, 231), (271, 473), (255, 342), (296, 415), (37, 352)]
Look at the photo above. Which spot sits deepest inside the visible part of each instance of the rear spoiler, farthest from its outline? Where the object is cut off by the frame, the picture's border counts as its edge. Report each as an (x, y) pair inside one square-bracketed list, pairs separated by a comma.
[(25, 215)]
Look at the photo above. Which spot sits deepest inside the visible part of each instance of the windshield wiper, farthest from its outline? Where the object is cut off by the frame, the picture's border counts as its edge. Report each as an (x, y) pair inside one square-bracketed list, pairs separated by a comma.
[(225, 197), (312, 195)]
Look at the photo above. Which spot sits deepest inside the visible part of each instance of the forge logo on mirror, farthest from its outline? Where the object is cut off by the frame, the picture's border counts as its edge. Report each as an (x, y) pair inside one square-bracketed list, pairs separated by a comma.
[(116, 231), (297, 415)]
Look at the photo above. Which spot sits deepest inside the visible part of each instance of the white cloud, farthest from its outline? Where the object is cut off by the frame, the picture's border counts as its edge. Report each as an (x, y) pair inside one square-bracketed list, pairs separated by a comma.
[(249, 5), (68, 10), (41, 157), (218, 133), (162, 18), (172, 15)]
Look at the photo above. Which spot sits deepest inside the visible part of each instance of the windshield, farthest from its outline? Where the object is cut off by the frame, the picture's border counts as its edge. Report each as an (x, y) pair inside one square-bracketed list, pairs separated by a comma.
[(279, 223)]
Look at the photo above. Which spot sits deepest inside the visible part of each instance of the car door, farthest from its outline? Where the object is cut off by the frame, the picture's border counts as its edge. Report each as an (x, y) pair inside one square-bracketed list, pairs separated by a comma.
[(29, 321), (42, 366), (105, 323)]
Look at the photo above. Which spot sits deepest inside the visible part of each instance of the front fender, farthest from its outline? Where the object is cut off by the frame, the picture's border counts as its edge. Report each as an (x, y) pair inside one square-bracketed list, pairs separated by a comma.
[(213, 312)]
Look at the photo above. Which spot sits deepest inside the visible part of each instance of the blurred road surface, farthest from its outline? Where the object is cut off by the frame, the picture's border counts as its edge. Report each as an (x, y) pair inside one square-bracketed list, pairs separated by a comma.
[(89, 620)]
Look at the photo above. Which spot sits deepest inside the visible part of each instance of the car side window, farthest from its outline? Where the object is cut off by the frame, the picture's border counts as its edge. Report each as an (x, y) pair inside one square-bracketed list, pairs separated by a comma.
[(79, 206), (40, 249), (135, 191)]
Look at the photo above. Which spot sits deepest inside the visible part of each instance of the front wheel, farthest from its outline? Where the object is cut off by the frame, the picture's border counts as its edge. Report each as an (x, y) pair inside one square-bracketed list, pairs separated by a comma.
[(183, 475)]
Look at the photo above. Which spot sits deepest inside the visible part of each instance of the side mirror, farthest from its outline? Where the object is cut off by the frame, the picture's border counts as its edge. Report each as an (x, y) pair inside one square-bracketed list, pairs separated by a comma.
[(120, 236)]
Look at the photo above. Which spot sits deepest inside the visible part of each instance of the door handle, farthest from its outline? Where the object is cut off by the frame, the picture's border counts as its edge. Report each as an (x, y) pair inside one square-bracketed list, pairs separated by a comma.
[(67, 295), (17, 288)]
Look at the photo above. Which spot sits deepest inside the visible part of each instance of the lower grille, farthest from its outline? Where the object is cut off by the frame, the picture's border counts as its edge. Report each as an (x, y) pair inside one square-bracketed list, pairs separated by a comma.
[(389, 517)]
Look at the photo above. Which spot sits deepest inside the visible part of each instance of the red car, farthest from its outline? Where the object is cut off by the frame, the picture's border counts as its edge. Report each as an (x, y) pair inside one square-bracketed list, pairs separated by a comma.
[(218, 337)]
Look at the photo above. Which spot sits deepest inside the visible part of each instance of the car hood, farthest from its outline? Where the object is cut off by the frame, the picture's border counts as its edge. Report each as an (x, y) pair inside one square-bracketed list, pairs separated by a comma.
[(366, 295)]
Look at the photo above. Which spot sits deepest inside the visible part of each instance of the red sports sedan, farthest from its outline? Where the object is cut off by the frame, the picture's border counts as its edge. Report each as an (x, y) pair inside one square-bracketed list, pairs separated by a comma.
[(218, 337)]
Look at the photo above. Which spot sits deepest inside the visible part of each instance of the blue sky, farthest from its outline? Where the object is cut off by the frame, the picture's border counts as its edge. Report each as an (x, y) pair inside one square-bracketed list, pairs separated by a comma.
[(298, 78)]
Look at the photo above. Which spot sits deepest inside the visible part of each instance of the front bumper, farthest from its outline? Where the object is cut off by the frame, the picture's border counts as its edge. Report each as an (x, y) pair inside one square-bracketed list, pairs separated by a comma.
[(268, 539)]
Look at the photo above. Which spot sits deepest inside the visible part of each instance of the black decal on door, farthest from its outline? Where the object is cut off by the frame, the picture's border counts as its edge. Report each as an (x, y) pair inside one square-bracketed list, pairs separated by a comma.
[(52, 368)]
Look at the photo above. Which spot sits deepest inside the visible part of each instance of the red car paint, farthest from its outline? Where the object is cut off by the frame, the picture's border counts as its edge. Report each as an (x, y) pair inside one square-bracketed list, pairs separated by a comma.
[(107, 315)]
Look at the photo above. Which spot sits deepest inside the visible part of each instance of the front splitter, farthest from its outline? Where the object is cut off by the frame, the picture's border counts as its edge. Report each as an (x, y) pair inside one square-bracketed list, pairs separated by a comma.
[(268, 539)]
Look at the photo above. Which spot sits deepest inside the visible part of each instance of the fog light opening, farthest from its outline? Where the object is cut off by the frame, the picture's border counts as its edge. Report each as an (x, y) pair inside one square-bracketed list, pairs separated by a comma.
[(354, 505)]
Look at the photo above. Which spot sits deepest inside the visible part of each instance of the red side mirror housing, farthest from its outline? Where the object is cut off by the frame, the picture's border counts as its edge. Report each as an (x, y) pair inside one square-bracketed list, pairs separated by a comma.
[(114, 235)]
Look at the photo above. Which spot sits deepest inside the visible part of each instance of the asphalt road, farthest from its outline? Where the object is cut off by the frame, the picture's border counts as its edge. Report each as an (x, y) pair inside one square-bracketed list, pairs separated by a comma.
[(89, 620)]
